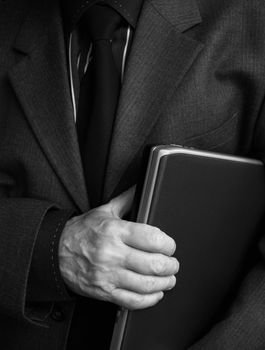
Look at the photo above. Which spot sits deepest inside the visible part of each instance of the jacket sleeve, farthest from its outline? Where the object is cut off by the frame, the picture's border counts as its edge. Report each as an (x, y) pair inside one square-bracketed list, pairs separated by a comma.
[(45, 283), (244, 322), (27, 246)]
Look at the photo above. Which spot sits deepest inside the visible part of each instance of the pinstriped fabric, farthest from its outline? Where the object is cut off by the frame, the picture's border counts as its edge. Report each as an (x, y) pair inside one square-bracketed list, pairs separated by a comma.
[(156, 65), (182, 14), (58, 140)]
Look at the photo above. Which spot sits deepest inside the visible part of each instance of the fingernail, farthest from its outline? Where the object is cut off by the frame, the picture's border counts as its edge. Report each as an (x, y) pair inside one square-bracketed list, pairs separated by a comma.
[(161, 295), (172, 283), (177, 266), (174, 247)]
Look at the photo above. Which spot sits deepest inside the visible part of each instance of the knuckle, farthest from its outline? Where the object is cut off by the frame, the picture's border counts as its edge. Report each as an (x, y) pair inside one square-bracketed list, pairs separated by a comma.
[(99, 255), (158, 266), (157, 238), (128, 259), (109, 226), (149, 285), (102, 283), (138, 301), (106, 287), (95, 276), (125, 229)]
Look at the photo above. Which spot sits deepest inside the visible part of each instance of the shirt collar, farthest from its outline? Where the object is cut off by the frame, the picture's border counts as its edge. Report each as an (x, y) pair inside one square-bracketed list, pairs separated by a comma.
[(73, 9)]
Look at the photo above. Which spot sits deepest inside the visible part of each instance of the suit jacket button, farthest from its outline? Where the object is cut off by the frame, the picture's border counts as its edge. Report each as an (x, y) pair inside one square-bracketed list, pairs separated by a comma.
[(57, 315)]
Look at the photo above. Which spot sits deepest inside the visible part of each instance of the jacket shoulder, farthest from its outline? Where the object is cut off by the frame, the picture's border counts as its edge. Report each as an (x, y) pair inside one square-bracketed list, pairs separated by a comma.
[(251, 8)]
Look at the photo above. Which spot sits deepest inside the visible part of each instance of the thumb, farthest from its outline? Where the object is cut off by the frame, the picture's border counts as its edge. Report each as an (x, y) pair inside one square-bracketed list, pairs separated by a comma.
[(122, 204)]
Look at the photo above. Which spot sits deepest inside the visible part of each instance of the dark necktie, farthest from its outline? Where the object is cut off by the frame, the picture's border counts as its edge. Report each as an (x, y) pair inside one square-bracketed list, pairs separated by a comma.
[(99, 92)]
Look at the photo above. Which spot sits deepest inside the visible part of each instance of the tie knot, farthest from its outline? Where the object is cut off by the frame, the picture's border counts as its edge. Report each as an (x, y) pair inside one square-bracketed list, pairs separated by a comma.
[(101, 21)]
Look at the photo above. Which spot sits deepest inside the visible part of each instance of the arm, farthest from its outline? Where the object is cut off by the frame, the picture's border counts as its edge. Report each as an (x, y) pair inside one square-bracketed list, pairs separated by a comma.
[(44, 282), (28, 224), (20, 220), (23, 222)]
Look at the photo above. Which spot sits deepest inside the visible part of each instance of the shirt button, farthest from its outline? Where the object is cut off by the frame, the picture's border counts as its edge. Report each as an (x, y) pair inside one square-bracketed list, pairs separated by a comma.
[(57, 315)]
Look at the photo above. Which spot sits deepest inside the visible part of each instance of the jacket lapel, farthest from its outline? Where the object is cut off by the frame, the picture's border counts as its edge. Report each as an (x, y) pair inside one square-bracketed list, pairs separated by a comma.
[(40, 81), (160, 56)]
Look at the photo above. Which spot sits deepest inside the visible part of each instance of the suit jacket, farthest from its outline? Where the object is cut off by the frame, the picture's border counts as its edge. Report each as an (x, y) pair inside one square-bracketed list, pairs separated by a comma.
[(195, 76)]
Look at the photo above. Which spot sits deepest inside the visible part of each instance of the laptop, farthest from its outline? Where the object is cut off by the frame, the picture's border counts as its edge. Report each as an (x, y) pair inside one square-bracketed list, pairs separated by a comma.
[(212, 205)]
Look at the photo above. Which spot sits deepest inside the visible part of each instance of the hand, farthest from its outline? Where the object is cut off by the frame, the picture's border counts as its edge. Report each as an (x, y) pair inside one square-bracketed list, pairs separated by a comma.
[(107, 258)]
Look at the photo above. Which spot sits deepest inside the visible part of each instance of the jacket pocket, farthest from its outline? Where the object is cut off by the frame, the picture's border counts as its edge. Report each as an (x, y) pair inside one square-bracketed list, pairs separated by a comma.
[(223, 138)]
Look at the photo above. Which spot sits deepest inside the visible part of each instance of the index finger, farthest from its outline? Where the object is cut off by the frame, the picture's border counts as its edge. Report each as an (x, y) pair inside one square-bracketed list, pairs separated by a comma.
[(149, 238)]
